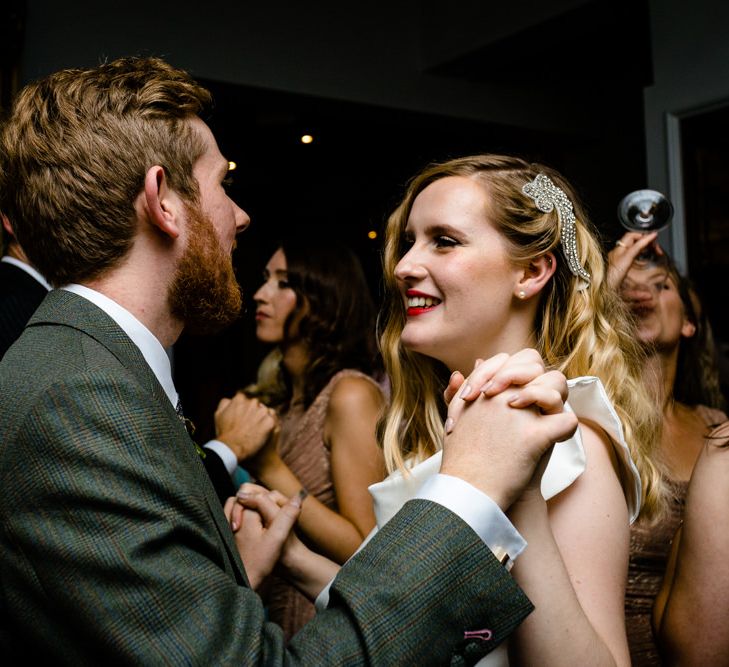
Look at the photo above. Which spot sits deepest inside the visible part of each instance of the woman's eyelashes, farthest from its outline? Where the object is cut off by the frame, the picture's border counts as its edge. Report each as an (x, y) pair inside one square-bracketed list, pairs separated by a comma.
[(442, 241), (406, 242), (439, 241)]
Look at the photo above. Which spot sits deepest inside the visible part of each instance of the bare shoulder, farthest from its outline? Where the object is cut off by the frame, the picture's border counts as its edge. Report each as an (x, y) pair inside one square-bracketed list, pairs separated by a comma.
[(599, 448), (597, 489), (352, 394), (712, 465)]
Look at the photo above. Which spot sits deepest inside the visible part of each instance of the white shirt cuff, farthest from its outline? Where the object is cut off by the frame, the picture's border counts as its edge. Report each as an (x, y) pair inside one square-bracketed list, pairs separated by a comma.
[(481, 513), (230, 461)]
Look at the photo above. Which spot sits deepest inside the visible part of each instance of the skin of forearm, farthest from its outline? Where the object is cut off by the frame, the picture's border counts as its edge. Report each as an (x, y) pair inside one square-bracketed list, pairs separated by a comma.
[(308, 571), (699, 585), (558, 632), (328, 532)]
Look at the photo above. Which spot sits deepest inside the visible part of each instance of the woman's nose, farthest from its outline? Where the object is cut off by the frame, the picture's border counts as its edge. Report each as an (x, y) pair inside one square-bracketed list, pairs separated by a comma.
[(637, 292), (409, 266), (259, 295)]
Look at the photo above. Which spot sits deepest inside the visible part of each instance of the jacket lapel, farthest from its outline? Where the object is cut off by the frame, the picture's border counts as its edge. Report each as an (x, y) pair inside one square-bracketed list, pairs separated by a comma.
[(67, 309)]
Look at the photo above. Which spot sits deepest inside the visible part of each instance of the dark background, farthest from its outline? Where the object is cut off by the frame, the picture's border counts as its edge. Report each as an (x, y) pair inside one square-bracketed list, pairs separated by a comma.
[(587, 86), (344, 184)]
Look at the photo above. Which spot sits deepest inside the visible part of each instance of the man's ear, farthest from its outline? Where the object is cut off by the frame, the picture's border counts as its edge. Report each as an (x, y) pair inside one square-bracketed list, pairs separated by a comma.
[(161, 204), (536, 275)]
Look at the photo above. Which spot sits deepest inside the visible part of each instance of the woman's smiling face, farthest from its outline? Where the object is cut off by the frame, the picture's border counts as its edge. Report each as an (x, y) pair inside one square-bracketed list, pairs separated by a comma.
[(456, 277)]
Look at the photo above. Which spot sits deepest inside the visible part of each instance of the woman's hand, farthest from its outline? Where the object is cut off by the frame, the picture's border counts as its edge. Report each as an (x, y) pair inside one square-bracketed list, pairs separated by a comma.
[(494, 426), (308, 571), (622, 256), (524, 371), (245, 425), (261, 528)]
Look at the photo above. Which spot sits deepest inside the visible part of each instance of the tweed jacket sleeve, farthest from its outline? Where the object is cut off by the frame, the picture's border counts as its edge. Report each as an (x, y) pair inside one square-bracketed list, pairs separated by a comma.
[(114, 547)]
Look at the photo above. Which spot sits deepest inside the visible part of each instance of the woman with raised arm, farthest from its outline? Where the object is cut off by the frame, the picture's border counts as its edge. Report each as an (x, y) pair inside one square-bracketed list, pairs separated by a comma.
[(679, 369)]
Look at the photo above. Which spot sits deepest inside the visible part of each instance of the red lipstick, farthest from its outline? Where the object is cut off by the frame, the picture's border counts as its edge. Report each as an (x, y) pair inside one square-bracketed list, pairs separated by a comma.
[(430, 302)]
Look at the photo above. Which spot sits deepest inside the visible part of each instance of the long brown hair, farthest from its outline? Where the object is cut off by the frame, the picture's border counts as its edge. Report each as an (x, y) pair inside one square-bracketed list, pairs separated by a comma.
[(335, 318)]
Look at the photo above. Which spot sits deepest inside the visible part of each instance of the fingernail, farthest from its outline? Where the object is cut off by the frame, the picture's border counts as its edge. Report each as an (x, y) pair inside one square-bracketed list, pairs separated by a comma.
[(244, 495), (487, 386), (465, 391), (449, 424), (453, 374), (513, 398), (299, 498)]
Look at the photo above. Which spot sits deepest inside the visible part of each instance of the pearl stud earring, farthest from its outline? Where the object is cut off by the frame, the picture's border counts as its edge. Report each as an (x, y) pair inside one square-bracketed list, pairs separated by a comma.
[(522, 294)]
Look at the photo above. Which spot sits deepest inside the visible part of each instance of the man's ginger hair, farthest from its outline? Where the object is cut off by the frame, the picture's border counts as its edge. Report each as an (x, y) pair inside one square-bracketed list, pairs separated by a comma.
[(74, 154)]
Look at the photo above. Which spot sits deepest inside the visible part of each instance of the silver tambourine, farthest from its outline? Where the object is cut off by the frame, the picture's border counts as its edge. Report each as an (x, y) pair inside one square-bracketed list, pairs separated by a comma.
[(645, 211)]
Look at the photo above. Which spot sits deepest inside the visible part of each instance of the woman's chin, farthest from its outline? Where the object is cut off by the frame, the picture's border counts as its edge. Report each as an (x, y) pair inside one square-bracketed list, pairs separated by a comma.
[(425, 348), (265, 337)]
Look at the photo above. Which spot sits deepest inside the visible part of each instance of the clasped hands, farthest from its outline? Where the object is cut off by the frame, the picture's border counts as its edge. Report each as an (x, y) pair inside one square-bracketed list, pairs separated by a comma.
[(502, 422), (248, 427)]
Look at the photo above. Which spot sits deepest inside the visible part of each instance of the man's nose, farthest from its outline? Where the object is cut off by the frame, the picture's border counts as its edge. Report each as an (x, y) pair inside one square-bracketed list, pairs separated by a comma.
[(242, 219)]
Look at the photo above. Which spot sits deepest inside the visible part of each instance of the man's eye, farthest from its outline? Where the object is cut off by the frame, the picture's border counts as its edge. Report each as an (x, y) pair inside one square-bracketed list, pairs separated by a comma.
[(283, 284)]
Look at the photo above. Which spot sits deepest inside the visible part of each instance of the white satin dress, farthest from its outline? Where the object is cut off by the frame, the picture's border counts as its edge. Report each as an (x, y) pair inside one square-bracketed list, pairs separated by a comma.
[(588, 400)]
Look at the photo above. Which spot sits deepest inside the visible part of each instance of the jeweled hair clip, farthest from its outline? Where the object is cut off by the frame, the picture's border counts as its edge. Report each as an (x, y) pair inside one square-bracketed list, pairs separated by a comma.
[(547, 197)]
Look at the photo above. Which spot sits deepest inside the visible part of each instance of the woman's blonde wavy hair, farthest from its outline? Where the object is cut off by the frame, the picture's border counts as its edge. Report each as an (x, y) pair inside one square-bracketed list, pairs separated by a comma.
[(578, 332)]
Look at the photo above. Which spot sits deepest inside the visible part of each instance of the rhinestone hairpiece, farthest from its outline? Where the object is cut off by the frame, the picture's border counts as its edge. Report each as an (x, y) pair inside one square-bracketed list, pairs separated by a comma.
[(547, 196)]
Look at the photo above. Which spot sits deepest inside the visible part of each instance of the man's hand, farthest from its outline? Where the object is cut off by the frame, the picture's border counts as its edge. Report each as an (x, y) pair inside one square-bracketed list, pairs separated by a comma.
[(498, 433), (261, 527), (244, 424)]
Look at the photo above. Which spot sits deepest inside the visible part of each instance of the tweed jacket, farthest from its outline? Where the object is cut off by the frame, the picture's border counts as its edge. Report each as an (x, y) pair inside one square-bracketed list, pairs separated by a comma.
[(114, 547)]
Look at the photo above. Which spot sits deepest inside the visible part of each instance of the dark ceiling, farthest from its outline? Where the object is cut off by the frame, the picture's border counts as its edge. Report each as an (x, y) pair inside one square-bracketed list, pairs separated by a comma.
[(599, 41)]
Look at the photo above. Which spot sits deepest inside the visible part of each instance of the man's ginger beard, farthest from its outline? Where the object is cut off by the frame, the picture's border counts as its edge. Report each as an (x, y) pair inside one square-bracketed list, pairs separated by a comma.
[(204, 293)]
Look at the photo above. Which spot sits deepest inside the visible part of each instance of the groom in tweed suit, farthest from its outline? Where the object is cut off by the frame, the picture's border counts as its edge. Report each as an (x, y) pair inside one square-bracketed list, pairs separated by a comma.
[(113, 546)]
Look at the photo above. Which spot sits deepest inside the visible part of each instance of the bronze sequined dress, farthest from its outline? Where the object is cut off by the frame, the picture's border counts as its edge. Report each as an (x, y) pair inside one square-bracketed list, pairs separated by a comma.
[(302, 448), (650, 547)]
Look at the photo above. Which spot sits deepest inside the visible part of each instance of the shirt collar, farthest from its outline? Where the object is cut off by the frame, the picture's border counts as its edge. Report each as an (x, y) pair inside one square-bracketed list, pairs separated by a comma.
[(152, 351)]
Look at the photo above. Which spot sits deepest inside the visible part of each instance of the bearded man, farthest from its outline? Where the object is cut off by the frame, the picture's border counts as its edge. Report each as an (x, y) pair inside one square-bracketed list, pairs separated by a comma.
[(113, 545)]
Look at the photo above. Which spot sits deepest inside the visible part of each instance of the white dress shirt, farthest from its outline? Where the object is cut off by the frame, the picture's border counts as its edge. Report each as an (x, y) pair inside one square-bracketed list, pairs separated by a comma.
[(152, 351)]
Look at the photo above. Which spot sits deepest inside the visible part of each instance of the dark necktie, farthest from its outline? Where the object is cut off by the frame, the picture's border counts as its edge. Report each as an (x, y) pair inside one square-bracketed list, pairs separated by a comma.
[(181, 415)]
